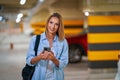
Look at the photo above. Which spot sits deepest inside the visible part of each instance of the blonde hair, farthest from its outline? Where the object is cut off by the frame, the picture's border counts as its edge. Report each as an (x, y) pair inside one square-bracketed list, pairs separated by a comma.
[(60, 31)]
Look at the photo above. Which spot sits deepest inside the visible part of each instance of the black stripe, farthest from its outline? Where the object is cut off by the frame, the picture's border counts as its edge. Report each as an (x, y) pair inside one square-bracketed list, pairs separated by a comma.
[(110, 46), (73, 26), (105, 13), (102, 64), (98, 29)]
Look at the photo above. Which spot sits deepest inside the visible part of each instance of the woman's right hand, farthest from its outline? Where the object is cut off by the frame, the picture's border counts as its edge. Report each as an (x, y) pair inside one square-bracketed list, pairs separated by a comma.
[(37, 58), (40, 56)]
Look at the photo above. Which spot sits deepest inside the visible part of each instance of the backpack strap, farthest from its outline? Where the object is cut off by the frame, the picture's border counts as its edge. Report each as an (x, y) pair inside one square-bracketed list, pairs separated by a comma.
[(37, 41)]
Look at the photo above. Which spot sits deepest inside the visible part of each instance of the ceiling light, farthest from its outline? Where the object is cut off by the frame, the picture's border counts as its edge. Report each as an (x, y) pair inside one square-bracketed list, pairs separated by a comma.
[(20, 15), (18, 20), (86, 13), (1, 18), (22, 2), (41, 0)]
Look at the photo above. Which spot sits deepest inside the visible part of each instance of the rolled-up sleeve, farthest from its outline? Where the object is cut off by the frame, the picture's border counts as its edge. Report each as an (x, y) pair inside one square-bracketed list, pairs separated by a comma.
[(31, 52), (63, 58)]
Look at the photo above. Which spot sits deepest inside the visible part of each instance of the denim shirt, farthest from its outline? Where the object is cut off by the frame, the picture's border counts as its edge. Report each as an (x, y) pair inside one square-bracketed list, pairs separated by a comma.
[(60, 49)]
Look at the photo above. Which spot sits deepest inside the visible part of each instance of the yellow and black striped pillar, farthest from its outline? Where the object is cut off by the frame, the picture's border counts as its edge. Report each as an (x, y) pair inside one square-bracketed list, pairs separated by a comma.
[(103, 41)]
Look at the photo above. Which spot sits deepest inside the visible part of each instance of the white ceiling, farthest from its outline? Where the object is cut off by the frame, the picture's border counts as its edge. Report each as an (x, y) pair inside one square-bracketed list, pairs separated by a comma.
[(70, 9), (10, 8)]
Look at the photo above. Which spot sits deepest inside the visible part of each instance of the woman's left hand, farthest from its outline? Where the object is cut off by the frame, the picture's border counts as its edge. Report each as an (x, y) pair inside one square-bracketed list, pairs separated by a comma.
[(50, 55), (53, 58)]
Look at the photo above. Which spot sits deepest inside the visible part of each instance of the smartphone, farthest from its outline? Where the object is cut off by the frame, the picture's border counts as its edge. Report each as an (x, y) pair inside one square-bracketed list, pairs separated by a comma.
[(47, 48)]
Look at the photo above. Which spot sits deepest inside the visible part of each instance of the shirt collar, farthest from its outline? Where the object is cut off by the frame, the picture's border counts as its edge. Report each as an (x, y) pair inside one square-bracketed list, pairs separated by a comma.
[(43, 37)]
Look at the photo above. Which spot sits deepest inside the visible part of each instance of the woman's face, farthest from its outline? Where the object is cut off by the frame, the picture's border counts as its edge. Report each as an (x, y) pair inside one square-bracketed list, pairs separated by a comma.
[(53, 25)]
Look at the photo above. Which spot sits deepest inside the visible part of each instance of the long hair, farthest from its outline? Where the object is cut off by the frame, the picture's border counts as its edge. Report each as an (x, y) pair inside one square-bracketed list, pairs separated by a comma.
[(60, 31)]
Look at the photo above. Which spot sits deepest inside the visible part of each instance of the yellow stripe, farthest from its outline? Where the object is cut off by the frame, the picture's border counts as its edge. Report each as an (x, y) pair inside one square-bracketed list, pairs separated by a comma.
[(103, 20), (103, 37), (72, 31), (73, 22), (103, 55), (68, 31)]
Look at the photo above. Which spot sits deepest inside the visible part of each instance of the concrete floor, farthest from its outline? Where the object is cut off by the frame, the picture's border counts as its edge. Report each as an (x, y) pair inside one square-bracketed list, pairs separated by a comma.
[(13, 60)]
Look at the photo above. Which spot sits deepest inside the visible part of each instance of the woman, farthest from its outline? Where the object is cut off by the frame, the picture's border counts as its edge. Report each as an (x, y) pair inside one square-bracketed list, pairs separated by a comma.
[(50, 64)]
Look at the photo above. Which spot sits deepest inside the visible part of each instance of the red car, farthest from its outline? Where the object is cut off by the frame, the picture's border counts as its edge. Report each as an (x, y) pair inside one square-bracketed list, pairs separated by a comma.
[(77, 47)]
